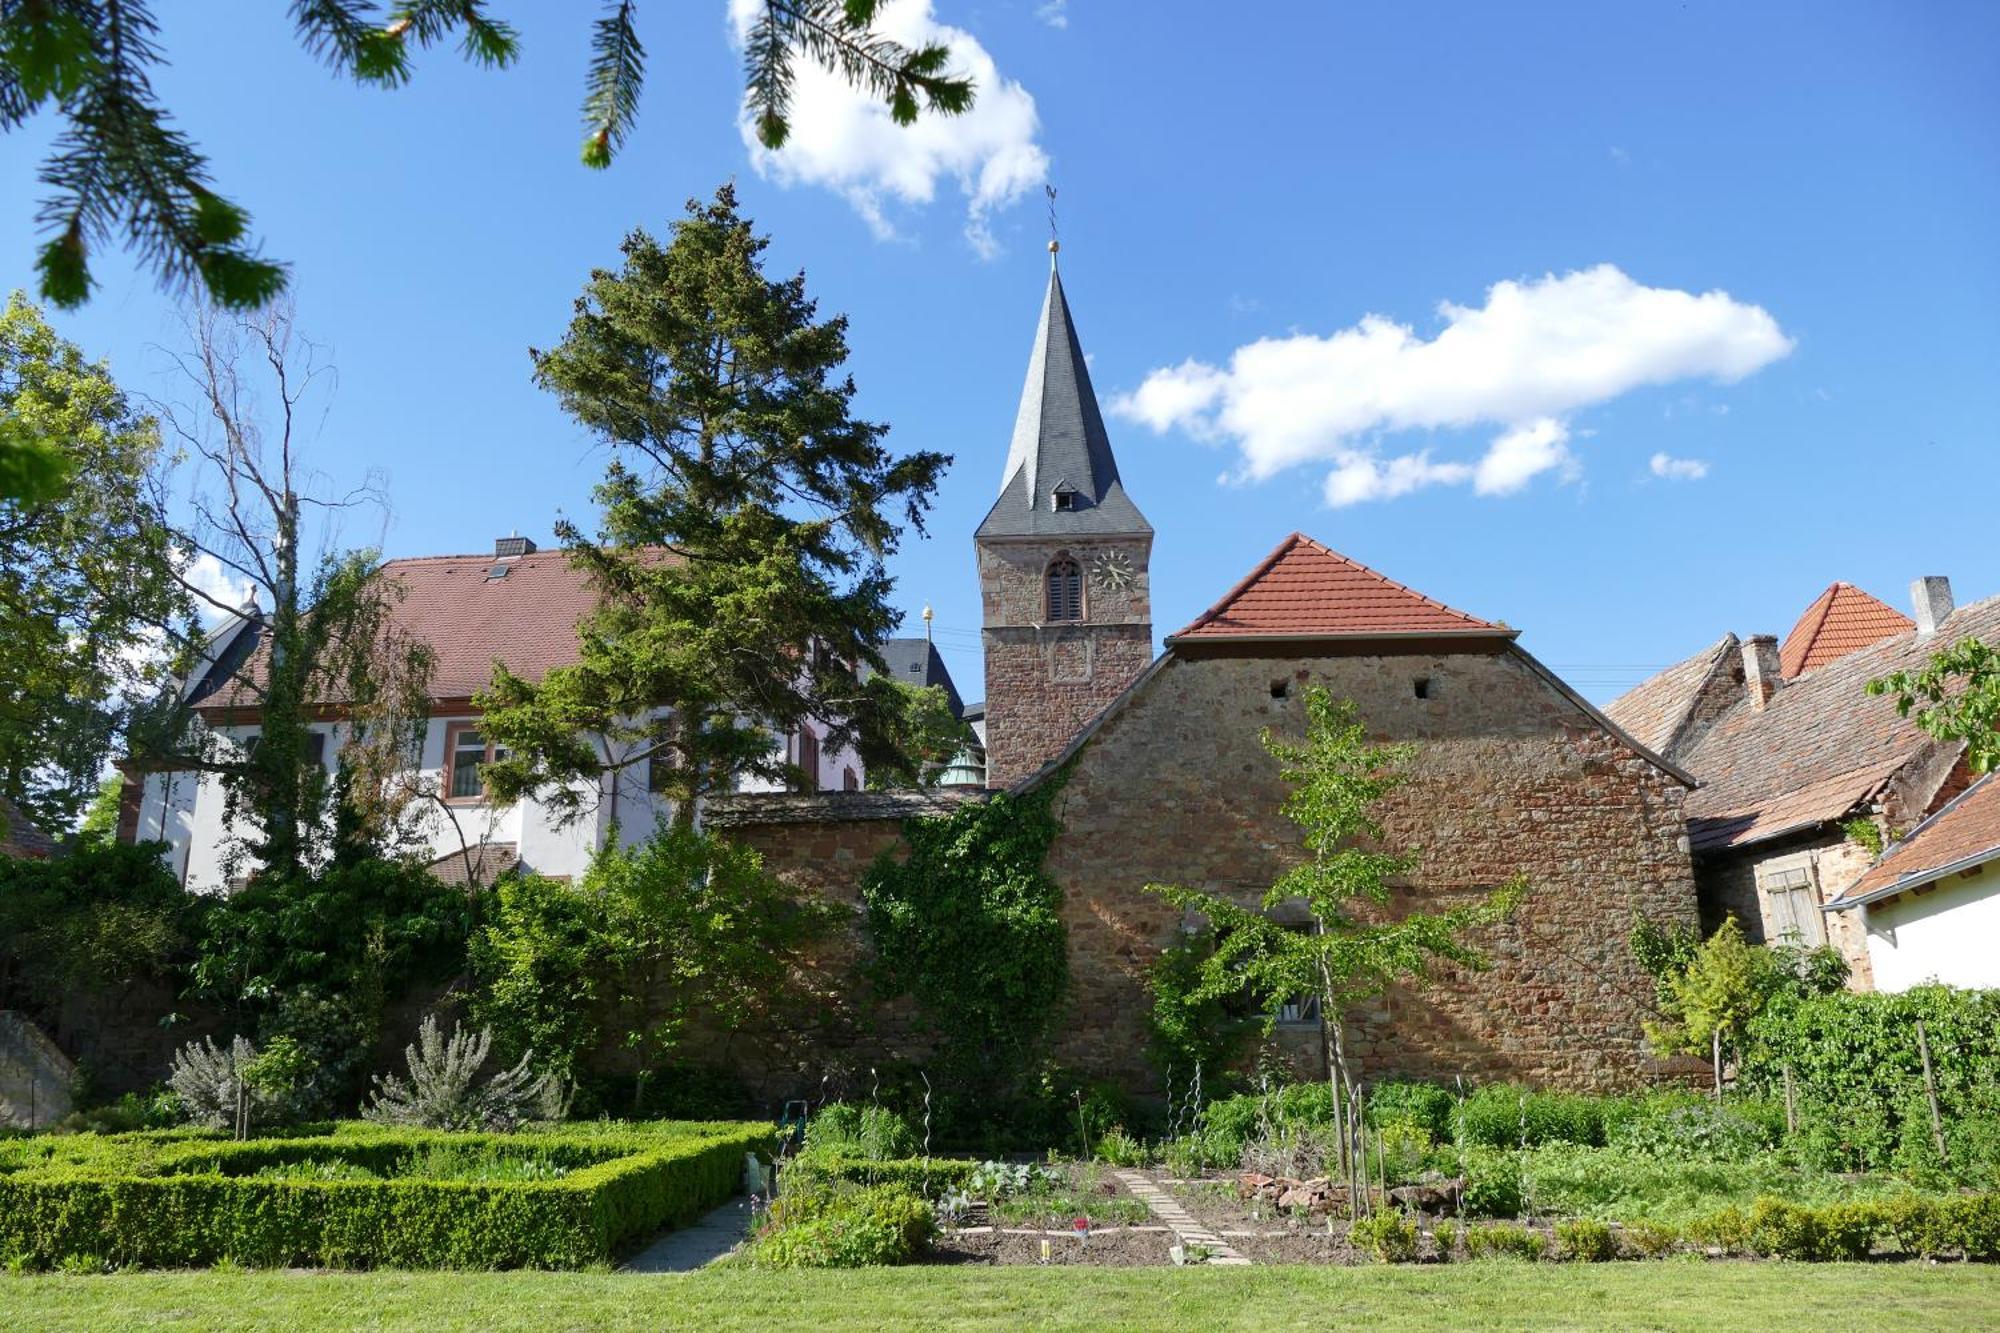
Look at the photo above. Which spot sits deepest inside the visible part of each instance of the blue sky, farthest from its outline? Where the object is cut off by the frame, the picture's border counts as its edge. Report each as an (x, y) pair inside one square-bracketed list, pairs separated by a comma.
[(1834, 169)]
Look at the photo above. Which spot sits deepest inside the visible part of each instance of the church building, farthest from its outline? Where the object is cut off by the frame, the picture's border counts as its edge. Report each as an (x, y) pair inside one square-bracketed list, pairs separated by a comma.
[(1162, 779)]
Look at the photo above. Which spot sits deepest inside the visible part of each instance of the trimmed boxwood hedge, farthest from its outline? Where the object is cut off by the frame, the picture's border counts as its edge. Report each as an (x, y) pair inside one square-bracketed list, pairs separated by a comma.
[(160, 1202)]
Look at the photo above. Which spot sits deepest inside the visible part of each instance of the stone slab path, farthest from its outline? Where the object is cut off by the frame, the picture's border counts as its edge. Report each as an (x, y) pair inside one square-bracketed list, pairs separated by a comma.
[(690, 1247), (1181, 1222)]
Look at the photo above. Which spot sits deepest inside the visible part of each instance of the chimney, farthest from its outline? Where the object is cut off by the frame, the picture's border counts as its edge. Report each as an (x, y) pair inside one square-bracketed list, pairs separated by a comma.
[(508, 548), (1760, 669), (1932, 595)]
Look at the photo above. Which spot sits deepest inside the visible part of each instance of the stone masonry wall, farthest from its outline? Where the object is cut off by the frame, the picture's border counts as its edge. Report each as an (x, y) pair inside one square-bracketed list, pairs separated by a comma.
[(1512, 776), (1045, 681)]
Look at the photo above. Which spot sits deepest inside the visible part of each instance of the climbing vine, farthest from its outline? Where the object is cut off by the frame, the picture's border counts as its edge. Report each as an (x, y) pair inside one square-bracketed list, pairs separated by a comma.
[(970, 926)]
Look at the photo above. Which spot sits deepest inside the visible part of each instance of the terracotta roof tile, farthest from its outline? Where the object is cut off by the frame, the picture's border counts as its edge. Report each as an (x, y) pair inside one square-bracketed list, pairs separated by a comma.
[(1657, 709), (1794, 756), (526, 618), (1841, 620), (1304, 590), (1963, 834)]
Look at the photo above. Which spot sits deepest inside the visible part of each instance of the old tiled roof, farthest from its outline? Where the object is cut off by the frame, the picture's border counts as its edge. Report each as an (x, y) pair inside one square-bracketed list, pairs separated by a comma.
[(1822, 744), (481, 864), (1840, 620), (1304, 590), (829, 807), (1656, 710), (1060, 444), (472, 615), (19, 837), (1964, 834)]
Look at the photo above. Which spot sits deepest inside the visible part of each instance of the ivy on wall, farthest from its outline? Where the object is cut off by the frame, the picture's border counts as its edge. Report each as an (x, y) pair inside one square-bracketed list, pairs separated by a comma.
[(970, 926)]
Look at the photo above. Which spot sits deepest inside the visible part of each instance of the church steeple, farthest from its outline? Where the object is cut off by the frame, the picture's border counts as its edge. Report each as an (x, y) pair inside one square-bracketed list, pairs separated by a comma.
[(1063, 563), (1061, 477)]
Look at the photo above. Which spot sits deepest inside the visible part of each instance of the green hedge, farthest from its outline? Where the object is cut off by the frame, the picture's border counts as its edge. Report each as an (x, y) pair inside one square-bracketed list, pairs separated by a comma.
[(1858, 1080), (1925, 1225), (152, 1202)]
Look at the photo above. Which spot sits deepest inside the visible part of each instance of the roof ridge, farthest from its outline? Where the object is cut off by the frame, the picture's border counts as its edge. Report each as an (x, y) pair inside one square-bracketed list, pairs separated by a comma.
[(1243, 584), (1400, 587)]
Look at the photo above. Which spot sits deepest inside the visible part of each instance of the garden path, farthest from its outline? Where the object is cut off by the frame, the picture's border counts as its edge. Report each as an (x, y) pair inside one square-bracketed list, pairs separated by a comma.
[(1177, 1218), (690, 1247)]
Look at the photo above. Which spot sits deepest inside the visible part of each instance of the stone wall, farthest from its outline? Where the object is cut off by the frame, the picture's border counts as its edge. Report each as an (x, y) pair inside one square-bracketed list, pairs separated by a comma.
[(36, 1078), (1513, 775), (1044, 682)]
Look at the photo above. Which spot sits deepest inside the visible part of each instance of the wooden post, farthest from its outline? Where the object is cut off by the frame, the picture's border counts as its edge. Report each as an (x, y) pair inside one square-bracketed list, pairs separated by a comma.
[(1791, 1115), (1930, 1092), (1716, 1057)]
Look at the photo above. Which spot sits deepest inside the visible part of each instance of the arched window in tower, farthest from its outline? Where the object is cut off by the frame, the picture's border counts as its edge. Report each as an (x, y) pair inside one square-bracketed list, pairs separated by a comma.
[(1065, 589)]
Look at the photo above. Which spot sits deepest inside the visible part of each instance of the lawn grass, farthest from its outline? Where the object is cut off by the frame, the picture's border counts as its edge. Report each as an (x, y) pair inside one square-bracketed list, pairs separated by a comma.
[(1626, 1295)]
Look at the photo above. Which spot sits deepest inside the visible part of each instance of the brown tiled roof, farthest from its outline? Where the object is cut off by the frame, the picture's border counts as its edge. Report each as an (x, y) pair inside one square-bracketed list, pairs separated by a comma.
[(20, 838), (1964, 834), (481, 864), (1657, 709), (526, 618), (1839, 621), (1304, 590), (1820, 746)]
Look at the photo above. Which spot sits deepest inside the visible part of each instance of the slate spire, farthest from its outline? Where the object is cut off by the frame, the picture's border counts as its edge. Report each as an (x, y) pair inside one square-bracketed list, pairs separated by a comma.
[(1060, 444)]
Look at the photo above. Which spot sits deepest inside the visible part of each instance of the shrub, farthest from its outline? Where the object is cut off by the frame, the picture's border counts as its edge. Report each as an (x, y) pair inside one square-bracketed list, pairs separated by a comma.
[(1117, 1148), (1504, 1115), (1501, 1240), (927, 1176), (166, 1201), (871, 1133), (1681, 1128), (1388, 1235), (1493, 1184), (1652, 1239), (1585, 1240), (844, 1228), (1422, 1104), (443, 1091), (212, 1086)]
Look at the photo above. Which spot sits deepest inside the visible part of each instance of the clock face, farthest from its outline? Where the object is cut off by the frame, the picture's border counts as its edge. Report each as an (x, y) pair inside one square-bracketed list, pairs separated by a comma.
[(1111, 570)]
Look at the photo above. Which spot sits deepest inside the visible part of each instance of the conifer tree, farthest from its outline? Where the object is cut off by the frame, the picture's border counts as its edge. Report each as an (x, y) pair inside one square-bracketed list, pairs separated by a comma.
[(747, 514)]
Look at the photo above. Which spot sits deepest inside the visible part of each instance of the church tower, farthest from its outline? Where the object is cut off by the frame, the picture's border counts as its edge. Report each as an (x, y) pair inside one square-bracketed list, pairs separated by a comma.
[(1062, 564)]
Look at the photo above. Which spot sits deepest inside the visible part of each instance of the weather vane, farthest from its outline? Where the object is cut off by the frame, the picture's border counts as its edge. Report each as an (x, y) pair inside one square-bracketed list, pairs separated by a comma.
[(1054, 243)]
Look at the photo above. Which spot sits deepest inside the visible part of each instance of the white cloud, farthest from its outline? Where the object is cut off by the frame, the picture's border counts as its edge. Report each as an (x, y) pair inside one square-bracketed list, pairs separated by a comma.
[(1536, 352), (1055, 13), (1521, 455), (1678, 469), (844, 140), (208, 575)]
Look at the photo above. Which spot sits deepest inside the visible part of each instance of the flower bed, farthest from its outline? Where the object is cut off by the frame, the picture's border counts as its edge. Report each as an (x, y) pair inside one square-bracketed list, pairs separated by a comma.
[(363, 1197)]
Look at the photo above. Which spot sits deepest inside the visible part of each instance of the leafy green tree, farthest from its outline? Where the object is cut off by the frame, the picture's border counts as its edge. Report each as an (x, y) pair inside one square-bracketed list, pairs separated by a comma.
[(654, 937), (86, 573), (1353, 949), (100, 819), (923, 730), (31, 468), (746, 518), (322, 627), (1711, 995), (121, 167), (1955, 696)]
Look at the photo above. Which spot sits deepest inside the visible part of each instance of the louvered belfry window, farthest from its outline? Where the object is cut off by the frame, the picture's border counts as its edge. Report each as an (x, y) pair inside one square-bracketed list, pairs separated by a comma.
[(1065, 581)]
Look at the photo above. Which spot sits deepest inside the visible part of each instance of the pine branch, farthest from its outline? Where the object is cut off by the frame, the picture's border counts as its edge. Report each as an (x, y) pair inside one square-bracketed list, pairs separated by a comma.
[(836, 35), (617, 69)]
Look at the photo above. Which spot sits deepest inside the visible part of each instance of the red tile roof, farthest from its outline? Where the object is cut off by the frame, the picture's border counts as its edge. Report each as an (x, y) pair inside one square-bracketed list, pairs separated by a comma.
[(1841, 620), (1964, 834), (527, 619), (1304, 590), (1658, 710)]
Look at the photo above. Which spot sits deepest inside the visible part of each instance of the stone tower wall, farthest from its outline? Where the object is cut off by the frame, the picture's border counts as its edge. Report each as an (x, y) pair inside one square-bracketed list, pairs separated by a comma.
[(1043, 681)]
